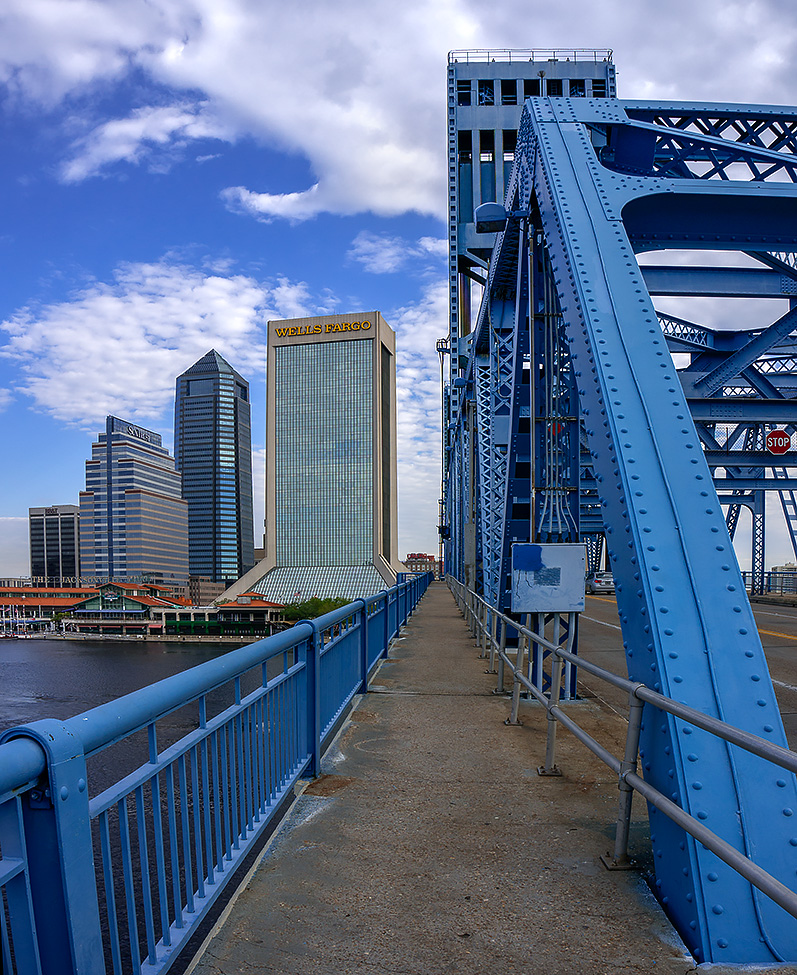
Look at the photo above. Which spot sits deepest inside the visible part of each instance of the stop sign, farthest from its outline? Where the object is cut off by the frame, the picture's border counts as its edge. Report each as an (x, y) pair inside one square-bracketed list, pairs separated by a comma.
[(778, 441)]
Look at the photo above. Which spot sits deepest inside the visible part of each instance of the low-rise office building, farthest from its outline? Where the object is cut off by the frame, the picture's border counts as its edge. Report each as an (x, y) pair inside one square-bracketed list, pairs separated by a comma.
[(53, 536), (419, 562)]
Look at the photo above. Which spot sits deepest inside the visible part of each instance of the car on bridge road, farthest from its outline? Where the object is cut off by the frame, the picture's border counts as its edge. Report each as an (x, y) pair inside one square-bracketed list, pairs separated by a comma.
[(600, 582)]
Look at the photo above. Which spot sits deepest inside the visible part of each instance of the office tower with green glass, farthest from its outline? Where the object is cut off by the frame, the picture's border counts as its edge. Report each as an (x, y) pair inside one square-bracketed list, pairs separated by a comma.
[(331, 509)]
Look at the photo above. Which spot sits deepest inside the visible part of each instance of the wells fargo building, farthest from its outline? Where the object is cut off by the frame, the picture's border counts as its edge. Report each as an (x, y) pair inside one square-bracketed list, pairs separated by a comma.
[(331, 511)]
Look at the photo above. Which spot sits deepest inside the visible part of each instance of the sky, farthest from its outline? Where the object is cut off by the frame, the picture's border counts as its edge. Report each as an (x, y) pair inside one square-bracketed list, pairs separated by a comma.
[(175, 173)]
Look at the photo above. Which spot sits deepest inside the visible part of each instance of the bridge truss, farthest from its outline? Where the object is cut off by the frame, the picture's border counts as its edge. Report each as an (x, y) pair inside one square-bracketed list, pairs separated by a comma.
[(574, 423)]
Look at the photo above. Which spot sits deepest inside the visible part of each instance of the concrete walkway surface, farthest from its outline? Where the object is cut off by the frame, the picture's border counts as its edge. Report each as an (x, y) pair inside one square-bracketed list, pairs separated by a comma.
[(431, 846)]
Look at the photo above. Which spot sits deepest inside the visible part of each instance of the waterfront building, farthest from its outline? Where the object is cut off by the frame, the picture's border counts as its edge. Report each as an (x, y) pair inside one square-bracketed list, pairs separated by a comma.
[(29, 609), (108, 608), (118, 609), (331, 510), (420, 562), (213, 453), (54, 552), (133, 520), (249, 617)]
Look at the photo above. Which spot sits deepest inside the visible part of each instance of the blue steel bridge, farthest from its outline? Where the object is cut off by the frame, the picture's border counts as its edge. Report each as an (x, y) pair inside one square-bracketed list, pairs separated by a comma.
[(577, 411), (567, 421)]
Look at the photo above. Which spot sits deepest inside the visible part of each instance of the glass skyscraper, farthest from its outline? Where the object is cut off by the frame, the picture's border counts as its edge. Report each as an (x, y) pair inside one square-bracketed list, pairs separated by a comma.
[(133, 521), (213, 453), (331, 524)]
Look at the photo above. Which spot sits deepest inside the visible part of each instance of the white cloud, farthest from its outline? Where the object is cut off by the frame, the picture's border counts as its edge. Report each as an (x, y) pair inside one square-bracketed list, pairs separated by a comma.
[(436, 246), (152, 134), (354, 87), (417, 328), (116, 348), (337, 86), (50, 49), (383, 254), (6, 398)]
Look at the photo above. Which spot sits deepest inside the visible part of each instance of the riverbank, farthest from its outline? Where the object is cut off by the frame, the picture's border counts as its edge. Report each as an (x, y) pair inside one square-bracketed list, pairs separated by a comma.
[(238, 641)]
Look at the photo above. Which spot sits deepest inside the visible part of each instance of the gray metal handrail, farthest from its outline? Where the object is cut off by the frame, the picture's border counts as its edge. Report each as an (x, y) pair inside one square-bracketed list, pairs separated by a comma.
[(531, 54), (483, 620)]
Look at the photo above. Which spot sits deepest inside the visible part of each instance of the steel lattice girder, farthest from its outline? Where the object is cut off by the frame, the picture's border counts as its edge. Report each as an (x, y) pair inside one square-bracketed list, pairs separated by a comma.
[(687, 625), (761, 363), (502, 324), (490, 493)]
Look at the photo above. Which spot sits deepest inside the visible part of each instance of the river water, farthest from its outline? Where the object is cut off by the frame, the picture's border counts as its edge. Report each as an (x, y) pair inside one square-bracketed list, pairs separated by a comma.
[(61, 678)]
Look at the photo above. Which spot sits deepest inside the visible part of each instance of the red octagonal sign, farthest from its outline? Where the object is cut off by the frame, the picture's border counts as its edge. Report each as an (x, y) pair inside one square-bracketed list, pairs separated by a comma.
[(778, 441)]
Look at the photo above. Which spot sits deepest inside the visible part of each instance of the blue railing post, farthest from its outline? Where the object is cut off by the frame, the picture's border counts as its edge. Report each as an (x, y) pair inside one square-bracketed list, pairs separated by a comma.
[(59, 851), (363, 615), (385, 596), (313, 703)]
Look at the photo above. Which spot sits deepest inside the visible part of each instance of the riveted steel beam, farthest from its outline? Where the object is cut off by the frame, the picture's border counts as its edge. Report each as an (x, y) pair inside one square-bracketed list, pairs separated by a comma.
[(687, 625)]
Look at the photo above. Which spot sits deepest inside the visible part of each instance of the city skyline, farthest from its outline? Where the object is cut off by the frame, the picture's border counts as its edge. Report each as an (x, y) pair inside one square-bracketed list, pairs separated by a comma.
[(175, 175)]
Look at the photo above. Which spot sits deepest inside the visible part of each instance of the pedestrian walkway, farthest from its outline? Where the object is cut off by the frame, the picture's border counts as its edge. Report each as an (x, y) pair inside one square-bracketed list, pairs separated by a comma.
[(431, 846)]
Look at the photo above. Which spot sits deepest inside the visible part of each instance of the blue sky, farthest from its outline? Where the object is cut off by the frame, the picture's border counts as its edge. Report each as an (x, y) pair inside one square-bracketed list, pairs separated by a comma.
[(176, 172)]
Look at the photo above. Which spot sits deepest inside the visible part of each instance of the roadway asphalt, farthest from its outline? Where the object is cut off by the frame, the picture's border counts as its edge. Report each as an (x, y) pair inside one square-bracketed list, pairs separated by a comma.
[(599, 634), (431, 846)]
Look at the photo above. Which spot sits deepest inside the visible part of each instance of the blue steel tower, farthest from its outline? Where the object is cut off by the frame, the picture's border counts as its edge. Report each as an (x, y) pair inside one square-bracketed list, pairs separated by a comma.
[(570, 353), (213, 453), (486, 93)]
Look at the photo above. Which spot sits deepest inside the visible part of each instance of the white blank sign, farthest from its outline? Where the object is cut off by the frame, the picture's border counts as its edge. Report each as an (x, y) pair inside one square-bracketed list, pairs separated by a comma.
[(548, 578)]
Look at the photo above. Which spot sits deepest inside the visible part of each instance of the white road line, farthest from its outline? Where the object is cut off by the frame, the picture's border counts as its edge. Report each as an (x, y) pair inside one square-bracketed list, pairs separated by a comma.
[(592, 619), (778, 683)]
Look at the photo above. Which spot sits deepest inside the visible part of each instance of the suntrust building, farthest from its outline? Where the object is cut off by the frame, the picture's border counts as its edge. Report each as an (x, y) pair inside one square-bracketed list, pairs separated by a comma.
[(331, 512), (133, 520)]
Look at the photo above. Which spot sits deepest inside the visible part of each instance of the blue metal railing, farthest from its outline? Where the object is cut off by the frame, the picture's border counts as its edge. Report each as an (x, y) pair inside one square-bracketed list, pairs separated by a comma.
[(119, 881), (776, 583)]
